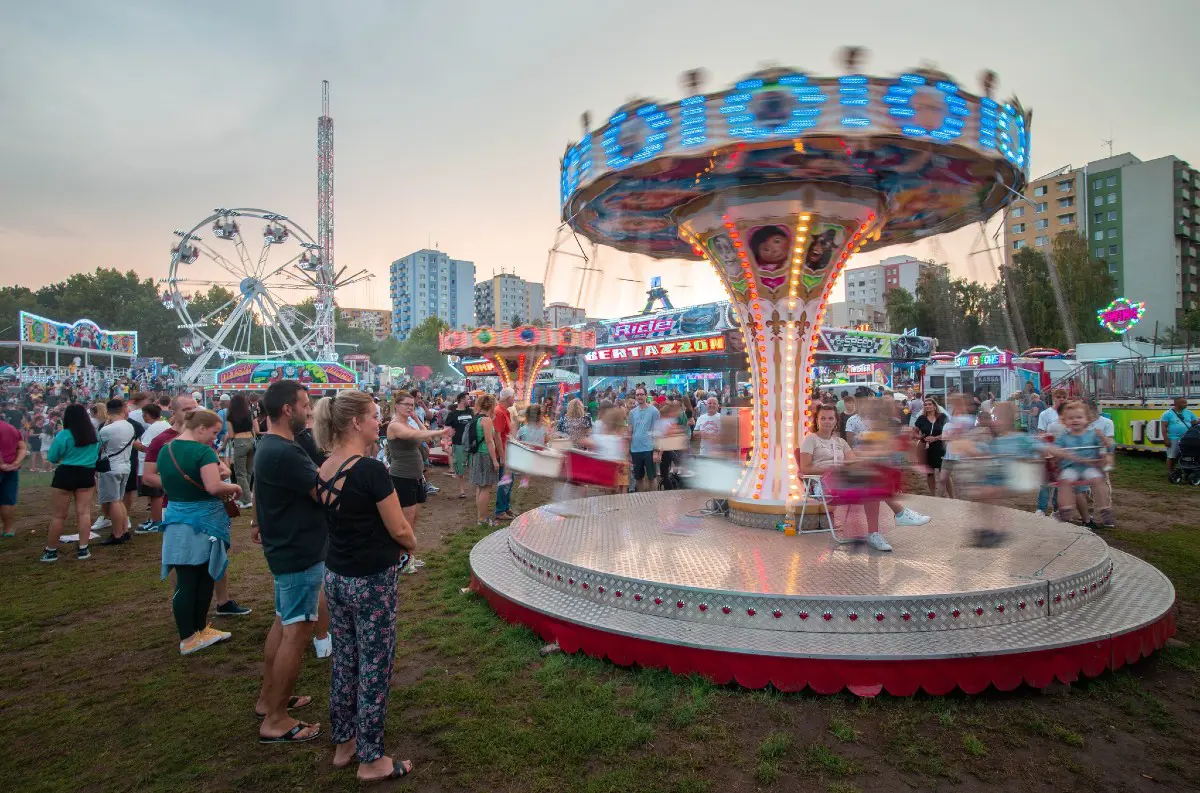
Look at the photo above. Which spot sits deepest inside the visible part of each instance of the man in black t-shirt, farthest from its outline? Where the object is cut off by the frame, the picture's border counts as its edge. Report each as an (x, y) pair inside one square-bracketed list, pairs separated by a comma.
[(291, 527), (458, 419)]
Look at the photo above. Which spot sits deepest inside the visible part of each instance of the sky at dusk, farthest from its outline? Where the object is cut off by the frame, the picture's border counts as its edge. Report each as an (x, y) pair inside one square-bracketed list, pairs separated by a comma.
[(124, 120)]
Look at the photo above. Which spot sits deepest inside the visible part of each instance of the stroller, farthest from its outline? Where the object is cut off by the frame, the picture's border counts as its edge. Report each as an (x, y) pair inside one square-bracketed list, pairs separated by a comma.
[(1187, 465)]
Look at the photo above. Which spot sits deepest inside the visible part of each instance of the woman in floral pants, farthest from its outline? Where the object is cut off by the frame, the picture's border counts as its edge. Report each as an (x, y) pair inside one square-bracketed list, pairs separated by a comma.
[(362, 621), (369, 542)]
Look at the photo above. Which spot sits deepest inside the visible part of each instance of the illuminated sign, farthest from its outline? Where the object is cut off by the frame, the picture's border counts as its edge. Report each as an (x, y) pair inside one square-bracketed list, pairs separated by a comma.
[(260, 374), (983, 356), (758, 109), (640, 329), (661, 349), (479, 367), (82, 334), (1120, 315)]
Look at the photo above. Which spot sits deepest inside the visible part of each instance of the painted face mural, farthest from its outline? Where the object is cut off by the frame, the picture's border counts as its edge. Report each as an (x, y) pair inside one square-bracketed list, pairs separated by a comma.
[(821, 249)]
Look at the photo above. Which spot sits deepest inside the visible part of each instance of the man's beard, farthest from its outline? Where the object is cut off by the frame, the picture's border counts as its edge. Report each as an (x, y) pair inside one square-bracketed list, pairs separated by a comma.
[(297, 425)]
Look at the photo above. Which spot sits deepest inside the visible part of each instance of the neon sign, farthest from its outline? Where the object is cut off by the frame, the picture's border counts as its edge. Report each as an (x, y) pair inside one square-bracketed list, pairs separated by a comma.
[(479, 367), (983, 356), (1120, 315), (257, 375), (661, 349), (638, 329)]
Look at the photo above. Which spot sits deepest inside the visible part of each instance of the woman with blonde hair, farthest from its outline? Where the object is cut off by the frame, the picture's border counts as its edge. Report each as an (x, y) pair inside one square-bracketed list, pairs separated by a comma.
[(575, 423), (369, 542), (483, 460), (98, 412), (195, 526)]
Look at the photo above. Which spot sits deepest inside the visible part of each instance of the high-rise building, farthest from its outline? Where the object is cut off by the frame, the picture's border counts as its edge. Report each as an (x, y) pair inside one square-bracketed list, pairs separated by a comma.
[(870, 284), (1141, 218), (505, 296), (863, 316), (427, 284), (376, 320), (1144, 222), (560, 315), (1054, 203)]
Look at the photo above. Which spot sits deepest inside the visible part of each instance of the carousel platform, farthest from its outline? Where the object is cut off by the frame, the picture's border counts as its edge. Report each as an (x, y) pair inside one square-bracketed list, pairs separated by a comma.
[(638, 580)]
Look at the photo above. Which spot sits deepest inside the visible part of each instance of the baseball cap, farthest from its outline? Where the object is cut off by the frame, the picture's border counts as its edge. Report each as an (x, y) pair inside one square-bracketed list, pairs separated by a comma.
[(225, 398), (196, 395)]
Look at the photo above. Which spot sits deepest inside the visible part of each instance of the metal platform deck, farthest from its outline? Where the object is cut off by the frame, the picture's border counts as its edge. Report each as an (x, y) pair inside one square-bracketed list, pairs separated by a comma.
[(639, 568)]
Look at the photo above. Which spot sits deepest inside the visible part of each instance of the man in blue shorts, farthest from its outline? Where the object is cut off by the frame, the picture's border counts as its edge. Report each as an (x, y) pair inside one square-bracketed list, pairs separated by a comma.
[(642, 420), (294, 537)]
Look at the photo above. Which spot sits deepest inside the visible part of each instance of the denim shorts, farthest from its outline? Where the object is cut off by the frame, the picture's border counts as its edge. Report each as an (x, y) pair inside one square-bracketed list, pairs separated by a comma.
[(296, 594)]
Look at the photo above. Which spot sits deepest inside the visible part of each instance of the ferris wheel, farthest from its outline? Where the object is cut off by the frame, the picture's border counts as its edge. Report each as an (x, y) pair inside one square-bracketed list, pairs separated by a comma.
[(257, 321)]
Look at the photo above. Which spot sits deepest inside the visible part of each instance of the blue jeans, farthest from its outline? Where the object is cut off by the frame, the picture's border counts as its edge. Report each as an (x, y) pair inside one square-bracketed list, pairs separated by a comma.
[(1047, 497), (503, 494)]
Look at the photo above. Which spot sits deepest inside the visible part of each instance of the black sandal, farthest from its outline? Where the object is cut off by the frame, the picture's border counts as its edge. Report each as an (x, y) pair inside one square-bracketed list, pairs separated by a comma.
[(398, 772), (290, 735), (293, 704)]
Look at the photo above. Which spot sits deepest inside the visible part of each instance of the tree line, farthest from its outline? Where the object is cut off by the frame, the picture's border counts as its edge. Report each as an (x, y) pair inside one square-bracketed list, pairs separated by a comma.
[(1019, 311)]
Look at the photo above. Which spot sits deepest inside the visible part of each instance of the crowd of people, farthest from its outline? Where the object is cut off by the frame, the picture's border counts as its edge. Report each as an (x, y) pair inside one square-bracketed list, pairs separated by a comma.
[(336, 485), (970, 445)]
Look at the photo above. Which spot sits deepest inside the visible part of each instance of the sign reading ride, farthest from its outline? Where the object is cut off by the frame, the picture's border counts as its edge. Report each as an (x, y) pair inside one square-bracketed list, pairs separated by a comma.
[(662, 349)]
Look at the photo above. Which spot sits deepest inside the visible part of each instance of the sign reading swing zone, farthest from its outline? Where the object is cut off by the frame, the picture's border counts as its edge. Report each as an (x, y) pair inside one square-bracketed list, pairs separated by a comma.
[(1120, 315)]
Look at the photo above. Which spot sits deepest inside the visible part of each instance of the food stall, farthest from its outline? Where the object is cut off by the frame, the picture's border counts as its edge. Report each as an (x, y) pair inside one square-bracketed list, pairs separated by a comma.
[(1001, 372)]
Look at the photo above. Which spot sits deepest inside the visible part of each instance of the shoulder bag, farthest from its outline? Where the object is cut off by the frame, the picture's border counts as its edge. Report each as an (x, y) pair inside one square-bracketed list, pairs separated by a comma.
[(103, 464), (231, 507)]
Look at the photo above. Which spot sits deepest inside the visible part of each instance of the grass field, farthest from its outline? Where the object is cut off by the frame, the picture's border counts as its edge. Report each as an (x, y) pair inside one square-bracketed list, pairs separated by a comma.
[(94, 696)]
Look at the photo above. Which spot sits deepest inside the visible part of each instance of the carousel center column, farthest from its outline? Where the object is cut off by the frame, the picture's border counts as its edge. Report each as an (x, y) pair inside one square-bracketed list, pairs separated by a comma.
[(778, 249)]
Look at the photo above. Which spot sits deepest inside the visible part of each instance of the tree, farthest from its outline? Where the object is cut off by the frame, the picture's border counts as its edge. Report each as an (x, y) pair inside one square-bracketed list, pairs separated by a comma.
[(1086, 285), (421, 346), (517, 321), (1086, 282), (14, 300), (389, 352), (901, 309), (114, 301)]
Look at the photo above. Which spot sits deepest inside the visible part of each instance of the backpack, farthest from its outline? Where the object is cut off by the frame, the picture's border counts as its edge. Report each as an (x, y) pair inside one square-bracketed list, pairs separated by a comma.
[(473, 439)]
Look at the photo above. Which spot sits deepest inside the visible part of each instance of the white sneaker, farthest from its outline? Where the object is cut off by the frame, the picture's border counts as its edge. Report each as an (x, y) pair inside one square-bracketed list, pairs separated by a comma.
[(907, 517), (101, 523), (876, 541), (324, 647), (245, 505), (128, 524)]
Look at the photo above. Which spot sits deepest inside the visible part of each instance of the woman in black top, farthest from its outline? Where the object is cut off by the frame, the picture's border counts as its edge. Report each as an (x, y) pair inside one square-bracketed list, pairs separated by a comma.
[(930, 424), (239, 435), (369, 542)]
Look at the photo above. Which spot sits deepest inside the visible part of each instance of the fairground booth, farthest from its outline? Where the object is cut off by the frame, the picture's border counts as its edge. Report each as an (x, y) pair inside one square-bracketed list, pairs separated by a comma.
[(1001, 372), (65, 345), (701, 347)]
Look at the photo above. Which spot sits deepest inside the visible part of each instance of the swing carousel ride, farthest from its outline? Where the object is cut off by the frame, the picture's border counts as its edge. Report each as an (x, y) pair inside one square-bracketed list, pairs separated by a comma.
[(775, 183)]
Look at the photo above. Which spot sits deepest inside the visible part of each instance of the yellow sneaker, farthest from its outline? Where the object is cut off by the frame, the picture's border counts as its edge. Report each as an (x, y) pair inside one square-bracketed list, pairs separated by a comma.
[(215, 635), (197, 641)]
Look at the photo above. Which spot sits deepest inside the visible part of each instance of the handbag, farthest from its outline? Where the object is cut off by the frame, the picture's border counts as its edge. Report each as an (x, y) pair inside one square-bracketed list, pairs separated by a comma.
[(231, 507), (103, 464)]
